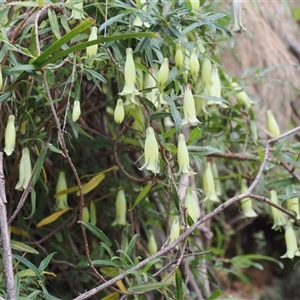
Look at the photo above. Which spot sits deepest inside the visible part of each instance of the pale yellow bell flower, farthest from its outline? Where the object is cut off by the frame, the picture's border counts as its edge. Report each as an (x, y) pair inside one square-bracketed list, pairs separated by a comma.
[(189, 110), (191, 204), (76, 111), (174, 230), (194, 65), (206, 70), (91, 51), (278, 216), (246, 203), (10, 135), (150, 83), (209, 184), (121, 209), (195, 4), (76, 14), (293, 206), (25, 170), (152, 244), (291, 242), (215, 84), (151, 152), (183, 156), (240, 95), (163, 74), (179, 58), (129, 75)]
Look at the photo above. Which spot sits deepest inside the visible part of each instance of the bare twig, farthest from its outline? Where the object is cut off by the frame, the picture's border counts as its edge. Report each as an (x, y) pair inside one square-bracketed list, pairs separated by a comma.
[(5, 239)]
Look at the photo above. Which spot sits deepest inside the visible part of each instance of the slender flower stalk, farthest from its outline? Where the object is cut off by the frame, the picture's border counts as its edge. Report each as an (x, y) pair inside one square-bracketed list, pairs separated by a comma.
[(246, 203), (76, 111), (189, 110), (209, 184), (291, 242), (191, 204), (61, 185), (121, 209), (119, 112), (272, 124), (25, 170), (151, 152), (183, 156), (129, 75), (278, 216), (10, 136)]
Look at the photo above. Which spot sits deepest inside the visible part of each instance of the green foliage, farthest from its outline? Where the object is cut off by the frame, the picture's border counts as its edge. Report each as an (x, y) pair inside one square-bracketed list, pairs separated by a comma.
[(46, 66)]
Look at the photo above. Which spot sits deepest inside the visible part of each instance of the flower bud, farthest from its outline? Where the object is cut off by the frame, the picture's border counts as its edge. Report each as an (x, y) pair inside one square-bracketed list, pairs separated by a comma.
[(163, 74), (215, 173), (137, 21), (121, 209), (241, 96), (129, 75), (191, 204), (194, 65), (189, 110), (25, 170), (119, 112), (10, 136), (150, 83), (76, 14), (85, 214), (61, 185), (291, 242), (152, 244), (174, 230), (209, 184), (246, 203), (278, 216), (179, 58), (183, 156), (151, 152), (91, 51), (206, 74), (76, 111), (195, 4), (272, 125)]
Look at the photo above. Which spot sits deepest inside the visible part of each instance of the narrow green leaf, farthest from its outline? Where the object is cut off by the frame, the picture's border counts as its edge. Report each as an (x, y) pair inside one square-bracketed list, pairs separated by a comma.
[(28, 264), (131, 246), (97, 232), (33, 204), (147, 287), (143, 193), (101, 262), (38, 166), (55, 150), (22, 247), (93, 217), (44, 263), (179, 290), (194, 135), (160, 115), (215, 294), (54, 24)]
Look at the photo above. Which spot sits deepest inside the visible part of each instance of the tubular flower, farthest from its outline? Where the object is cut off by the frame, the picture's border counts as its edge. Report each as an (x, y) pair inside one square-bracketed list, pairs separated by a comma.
[(194, 65), (137, 21), (183, 156), (25, 170), (10, 136), (191, 204), (215, 84), (278, 216), (163, 74), (151, 152), (121, 209), (179, 58), (206, 70), (119, 112), (129, 75), (152, 244), (174, 230), (293, 205), (291, 242), (91, 51), (189, 110), (61, 185), (209, 184), (237, 16), (76, 14), (215, 173), (241, 96), (150, 83), (76, 111), (272, 125), (140, 76), (246, 203)]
